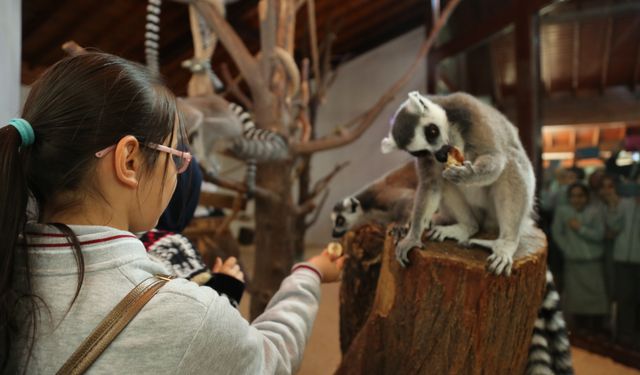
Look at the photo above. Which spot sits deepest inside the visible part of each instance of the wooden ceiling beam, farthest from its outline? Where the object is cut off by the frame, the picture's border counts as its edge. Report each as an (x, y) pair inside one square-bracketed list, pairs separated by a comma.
[(376, 16), (636, 71), (606, 56), (71, 15), (478, 32), (527, 54), (594, 12), (87, 32), (575, 59), (120, 37)]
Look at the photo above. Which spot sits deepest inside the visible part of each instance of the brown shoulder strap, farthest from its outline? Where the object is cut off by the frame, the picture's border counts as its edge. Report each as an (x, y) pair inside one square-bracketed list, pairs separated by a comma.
[(112, 325)]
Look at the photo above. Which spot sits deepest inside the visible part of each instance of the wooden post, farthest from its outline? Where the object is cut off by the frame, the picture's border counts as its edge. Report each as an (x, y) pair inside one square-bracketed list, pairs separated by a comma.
[(527, 32), (444, 314)]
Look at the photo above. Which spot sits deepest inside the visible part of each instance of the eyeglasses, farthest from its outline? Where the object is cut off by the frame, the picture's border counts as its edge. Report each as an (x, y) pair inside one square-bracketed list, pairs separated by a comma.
[(181, 159)]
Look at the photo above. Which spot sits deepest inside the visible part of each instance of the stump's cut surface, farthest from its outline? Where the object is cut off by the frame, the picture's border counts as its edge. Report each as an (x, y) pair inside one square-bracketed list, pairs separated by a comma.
[(445, 314)]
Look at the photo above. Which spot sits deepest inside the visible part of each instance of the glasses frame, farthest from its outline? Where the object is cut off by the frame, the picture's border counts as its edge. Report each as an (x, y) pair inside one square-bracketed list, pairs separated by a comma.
[(186, 156)]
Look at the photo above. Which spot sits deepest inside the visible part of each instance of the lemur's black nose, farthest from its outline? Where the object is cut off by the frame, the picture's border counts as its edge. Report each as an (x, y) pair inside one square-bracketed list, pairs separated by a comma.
[(441, 154)]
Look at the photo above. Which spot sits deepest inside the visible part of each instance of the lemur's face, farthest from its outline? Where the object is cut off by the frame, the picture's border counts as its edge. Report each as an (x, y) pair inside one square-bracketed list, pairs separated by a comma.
[(418, 127), (345, 214)]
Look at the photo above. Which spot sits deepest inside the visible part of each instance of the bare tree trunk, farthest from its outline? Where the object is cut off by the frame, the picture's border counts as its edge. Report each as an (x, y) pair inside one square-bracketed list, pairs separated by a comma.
[(274, 243), (304, 184), (274, 219), (445, 314)]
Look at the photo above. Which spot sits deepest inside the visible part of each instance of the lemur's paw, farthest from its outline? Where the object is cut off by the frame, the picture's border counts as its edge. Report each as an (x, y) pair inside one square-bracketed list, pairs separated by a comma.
[(499, 263), (403, 248), (459, 174), (398, 232), (456, 232)]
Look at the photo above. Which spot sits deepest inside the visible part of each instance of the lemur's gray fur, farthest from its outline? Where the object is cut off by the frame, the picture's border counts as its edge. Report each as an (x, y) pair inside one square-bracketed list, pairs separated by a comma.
[(387, 199), (493, 189)]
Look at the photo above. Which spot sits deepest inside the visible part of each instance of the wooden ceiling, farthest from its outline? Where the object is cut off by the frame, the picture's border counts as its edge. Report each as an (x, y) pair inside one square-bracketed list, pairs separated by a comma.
[(117, 26), (586, 46)]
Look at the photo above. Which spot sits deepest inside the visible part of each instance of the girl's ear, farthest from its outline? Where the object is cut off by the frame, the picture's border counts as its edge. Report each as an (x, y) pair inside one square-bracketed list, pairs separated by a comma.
[(127, 161)]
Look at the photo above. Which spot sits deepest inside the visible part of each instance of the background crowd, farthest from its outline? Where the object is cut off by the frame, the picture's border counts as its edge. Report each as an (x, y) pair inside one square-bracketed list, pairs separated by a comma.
[(593, 224)]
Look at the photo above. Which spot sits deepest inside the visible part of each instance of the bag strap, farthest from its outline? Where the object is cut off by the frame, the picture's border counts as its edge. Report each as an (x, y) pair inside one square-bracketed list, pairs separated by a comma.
[(112, 325)]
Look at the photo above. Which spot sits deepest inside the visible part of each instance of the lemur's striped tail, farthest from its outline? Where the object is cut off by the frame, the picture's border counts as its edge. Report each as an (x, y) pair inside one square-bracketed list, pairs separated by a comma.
[(258, 144), (550, 351), (152, 35)]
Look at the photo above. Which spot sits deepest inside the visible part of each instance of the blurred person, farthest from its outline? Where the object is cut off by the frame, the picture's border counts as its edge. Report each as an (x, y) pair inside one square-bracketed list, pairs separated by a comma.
[(578, 229), (623, 220)]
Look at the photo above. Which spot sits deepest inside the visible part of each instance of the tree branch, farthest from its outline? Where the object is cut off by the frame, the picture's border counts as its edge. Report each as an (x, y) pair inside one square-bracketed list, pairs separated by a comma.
[(299, 3), (322, 184), (331, 142), (233, 88), (316, 213), (238, 186), (323, 86), (303, 112), (237, 49), (313, 40), (268, 25)]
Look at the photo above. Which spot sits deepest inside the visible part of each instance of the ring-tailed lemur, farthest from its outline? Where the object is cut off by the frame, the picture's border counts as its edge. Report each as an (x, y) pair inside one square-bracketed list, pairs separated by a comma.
[(211, 119), (388, 199), (493, 188), (214, 125), (550, 351)]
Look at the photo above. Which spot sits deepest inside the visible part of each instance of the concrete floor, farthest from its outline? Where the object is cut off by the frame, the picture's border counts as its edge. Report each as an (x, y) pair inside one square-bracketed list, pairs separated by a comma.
[(322, 354)]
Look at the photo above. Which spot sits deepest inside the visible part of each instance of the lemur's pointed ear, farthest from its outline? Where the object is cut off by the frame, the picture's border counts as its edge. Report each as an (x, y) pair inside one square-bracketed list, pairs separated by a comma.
[(388, 144), (354, 204), (416, 105)]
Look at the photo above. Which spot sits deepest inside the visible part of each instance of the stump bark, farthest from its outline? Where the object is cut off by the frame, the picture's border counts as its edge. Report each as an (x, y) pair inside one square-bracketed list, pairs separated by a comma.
[(444, 314)]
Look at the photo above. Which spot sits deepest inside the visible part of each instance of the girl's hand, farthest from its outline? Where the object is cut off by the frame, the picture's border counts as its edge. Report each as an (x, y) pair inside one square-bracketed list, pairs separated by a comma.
[(330, 266), (229, 267)]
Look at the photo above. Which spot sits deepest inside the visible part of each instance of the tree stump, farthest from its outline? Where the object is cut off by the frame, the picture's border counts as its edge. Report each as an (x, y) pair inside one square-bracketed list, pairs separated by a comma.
[(444, 314)]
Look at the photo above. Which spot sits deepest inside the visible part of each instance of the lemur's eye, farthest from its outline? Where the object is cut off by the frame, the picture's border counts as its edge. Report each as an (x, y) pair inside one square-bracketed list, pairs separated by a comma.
[(431, 132)]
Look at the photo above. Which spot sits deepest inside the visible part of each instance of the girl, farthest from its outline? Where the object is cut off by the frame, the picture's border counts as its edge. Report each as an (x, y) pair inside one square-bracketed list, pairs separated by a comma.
[(578, 229), (97, 150)]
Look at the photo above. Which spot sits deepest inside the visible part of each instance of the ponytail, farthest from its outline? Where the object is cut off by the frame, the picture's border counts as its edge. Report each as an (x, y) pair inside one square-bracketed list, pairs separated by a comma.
[(13, 200)]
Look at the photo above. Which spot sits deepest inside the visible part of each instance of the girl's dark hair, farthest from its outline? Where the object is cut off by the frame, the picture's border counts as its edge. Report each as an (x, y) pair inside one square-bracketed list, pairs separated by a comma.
[(79, 106), (580, 186)]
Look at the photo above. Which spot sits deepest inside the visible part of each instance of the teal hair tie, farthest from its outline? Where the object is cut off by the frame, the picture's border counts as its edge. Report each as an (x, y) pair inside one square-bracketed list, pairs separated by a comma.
[(25, 130)]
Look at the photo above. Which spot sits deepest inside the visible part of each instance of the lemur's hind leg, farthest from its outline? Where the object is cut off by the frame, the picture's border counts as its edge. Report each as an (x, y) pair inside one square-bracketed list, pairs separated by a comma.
[(510, 214), (455, 205)]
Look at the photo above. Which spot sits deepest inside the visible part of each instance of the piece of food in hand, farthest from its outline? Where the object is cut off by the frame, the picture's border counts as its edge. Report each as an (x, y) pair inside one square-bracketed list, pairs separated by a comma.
[(454, 157), (334, 249)]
